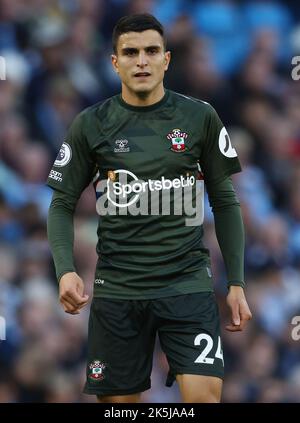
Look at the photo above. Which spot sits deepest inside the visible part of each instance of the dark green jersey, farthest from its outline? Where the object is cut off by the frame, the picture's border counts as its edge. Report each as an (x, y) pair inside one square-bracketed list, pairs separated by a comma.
[(147, 165)]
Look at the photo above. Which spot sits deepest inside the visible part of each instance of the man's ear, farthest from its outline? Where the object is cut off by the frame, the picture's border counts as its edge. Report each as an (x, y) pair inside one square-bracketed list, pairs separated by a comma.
[(167, 59), (114, 61)]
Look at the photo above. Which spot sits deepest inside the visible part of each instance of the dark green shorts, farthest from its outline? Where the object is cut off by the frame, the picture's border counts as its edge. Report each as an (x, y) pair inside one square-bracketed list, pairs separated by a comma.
[(122, 338)]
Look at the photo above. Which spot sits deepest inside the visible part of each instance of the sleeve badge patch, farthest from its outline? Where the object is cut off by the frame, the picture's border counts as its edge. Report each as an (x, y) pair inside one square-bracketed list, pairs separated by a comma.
[(64, 156)]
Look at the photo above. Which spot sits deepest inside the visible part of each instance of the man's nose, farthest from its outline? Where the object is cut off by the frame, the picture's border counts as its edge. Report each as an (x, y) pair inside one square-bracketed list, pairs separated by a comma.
[(142, 59)]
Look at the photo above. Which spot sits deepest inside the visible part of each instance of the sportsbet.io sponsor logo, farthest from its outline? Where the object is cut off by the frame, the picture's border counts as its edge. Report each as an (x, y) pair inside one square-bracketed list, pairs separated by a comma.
[(64, 156), (123, 190), (123, 193)]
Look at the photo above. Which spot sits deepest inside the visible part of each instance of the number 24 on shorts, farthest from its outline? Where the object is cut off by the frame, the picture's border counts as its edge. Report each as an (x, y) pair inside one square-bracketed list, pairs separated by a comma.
[(202, 358)]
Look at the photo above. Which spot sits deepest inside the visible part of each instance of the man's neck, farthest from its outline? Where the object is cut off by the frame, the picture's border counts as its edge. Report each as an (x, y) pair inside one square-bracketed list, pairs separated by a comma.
[(143, 99)]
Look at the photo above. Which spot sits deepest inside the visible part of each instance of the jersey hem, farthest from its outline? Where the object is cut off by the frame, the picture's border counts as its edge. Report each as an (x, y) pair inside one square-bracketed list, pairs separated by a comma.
[(172, 378), (153, 296), (99, 391)]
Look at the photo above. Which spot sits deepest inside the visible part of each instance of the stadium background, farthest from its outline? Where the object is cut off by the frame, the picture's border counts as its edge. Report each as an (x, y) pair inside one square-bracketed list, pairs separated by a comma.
[(234, 54)]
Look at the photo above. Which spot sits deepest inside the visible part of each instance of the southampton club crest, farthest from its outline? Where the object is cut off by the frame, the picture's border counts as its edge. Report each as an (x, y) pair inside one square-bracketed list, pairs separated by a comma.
[(177, 137), (96, 368)]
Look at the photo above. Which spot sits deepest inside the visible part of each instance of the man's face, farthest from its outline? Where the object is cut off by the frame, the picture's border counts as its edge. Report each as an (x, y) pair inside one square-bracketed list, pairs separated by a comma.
[(141, 60)]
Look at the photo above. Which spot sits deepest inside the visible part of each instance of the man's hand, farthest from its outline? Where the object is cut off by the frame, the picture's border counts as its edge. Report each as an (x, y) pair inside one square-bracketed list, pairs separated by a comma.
[(240, 312), (71, 296)]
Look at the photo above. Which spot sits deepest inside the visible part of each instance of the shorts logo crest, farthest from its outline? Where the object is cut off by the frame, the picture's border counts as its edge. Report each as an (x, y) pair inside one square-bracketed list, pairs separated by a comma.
[(96, 368), (178, 140)]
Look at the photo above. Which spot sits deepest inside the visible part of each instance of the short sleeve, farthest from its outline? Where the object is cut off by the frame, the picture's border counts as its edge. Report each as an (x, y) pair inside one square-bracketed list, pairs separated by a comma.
[(74, 166), (218, 158)]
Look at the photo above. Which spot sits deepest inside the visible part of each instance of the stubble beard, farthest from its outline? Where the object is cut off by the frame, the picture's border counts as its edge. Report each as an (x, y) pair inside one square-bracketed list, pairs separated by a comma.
[(143, 94)]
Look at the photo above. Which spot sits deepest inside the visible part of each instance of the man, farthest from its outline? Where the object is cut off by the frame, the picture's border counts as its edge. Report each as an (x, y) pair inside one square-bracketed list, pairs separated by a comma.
[(144, 150)]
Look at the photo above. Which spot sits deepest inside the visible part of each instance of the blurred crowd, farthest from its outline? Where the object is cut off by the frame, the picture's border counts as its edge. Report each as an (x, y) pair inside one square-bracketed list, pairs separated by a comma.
[(234, 54)]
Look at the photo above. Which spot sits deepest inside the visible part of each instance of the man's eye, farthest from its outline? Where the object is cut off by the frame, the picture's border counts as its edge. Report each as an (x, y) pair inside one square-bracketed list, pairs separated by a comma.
[(153, 51)]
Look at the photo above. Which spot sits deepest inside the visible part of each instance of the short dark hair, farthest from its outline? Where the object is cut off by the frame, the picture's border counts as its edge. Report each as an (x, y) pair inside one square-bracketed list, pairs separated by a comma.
[(136, 23)]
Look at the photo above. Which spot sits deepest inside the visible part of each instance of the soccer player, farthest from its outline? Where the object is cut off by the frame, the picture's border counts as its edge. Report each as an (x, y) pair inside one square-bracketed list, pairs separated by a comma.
[(149, 152)]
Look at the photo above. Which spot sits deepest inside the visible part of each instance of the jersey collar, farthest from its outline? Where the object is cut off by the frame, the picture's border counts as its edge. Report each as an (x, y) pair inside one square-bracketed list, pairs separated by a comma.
[(143, 108)]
